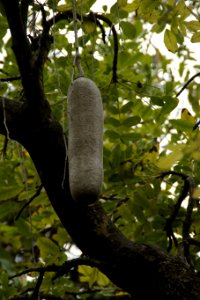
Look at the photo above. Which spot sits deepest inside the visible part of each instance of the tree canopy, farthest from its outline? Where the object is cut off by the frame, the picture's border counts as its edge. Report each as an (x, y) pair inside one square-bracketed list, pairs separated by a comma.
[(142, 237)]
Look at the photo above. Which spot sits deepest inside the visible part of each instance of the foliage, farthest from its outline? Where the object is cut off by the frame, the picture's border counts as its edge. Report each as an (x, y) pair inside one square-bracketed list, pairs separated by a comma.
[(142, 139)]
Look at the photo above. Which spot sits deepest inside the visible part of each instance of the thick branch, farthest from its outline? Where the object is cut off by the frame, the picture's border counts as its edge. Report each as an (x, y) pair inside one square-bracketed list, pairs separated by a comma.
[(27, 60), (20, 43)]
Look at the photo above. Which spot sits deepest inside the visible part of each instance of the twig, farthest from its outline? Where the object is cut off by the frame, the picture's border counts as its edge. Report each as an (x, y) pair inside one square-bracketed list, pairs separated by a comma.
[(171, 219), (103, 33), (51, 268), (188, 221), (68, 265), (116, 44), (181, 175), (10, 79), (61, 270), (37, 193), (186, 84), (37, 286), (67, 15)]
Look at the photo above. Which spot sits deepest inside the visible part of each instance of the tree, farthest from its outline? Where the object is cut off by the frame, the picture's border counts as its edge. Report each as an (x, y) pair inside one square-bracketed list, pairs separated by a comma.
[(141, 239)]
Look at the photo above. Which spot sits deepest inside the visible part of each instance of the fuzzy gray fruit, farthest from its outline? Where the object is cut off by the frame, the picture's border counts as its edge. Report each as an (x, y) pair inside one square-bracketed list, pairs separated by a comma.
[(85, 140)]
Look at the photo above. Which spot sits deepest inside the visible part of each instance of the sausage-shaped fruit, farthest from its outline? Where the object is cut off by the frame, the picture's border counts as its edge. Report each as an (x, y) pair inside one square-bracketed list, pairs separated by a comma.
[(85, 140)]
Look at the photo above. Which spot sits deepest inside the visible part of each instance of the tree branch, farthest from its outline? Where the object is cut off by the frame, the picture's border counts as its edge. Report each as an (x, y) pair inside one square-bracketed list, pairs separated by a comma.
[(188, 221), (20, 43), (116, 46), (172, 218), (10, 79), (30, 63), (37, 193), (60, 270), (187, 83), (93, 17), (37, 286)]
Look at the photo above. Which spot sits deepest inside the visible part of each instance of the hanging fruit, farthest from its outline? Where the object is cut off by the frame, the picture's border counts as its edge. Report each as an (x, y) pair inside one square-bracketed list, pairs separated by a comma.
[(85, 140)]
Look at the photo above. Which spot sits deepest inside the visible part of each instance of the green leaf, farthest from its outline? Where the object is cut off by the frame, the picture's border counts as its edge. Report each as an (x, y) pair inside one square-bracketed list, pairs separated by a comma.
[(89, 27), (8, 192), (92, 276), (182, 28), (130, 7), (182, 125), (158, 27), (87, 274), (131, 121), (193, 25), (166, 162), (24, 227), (157, 101), (48, 250), (118, 12), (105, 8), (64, 7), (196, 193), (128, 29), (116, 156), (113, 121), (111, 134), (196, 37), (169, 104), (179, 37), (126, 107), (132, 137), (170, 41), (102, 279), (7, 209), (181, 9), (122, 3), (61, 236)]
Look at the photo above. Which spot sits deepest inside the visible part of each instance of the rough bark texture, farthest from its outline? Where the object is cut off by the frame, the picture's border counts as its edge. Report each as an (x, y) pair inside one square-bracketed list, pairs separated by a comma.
[(142, 270)]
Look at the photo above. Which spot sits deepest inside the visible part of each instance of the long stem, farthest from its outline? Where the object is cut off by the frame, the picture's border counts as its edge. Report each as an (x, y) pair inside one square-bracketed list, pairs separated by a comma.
[(77, 60)]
